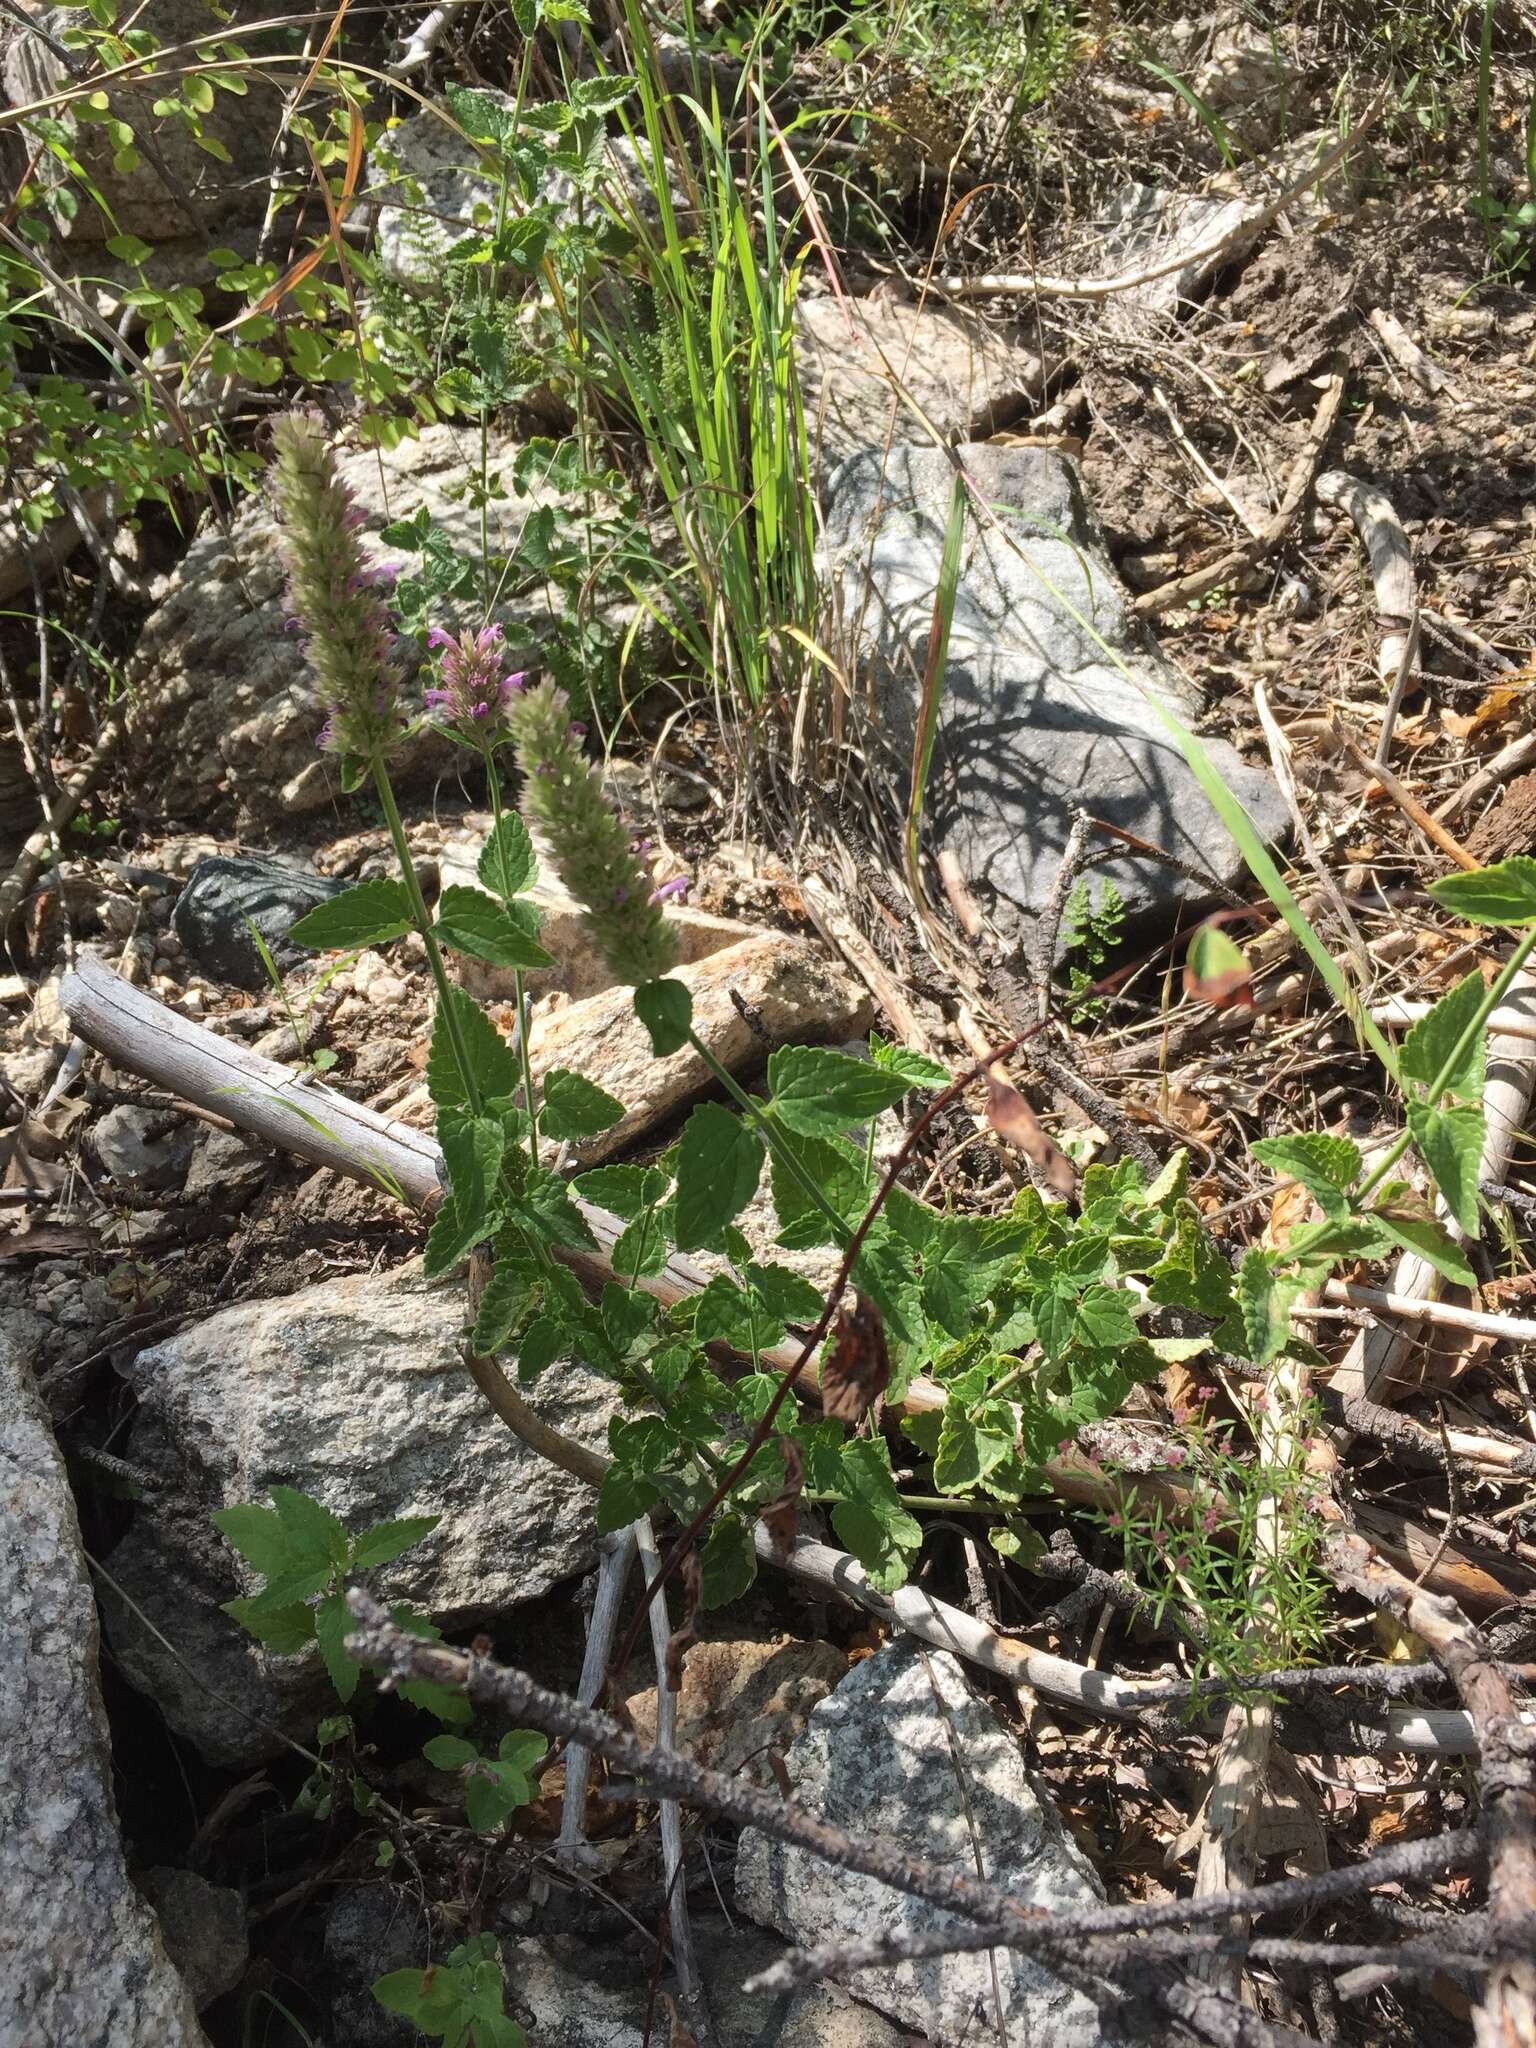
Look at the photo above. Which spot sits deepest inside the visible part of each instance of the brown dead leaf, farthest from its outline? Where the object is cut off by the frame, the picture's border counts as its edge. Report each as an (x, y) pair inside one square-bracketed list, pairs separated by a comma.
[(1013, 1119), (778, 1515), (857, 1370)]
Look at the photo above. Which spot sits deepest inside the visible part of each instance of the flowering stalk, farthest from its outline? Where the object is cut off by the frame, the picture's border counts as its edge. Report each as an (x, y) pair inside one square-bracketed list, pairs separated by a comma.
[(337, 600), (592, 852), (472, 694)]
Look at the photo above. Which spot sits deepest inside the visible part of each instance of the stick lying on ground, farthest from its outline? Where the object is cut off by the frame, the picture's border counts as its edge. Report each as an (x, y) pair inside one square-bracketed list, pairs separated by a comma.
[(1001, 1921)]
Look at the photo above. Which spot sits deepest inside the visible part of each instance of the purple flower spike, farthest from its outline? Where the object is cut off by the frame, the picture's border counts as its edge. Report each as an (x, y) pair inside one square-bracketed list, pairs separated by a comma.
[(336, 598), (678, 887), (472, 690)]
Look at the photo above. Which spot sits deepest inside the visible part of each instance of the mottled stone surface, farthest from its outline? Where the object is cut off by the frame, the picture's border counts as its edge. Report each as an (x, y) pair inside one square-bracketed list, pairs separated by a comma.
[(81, 1958), (883, 1757), (1050, 684), (353, 1391)]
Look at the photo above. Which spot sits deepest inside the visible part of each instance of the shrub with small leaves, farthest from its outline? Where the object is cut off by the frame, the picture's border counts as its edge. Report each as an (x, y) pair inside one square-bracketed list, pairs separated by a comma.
[(460, 2001)]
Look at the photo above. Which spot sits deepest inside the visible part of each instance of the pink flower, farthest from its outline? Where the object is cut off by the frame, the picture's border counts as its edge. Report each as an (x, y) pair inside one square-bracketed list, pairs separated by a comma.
[(1116, 1519), (472, 692), (1159, 1536), (678, 887), (1176, 1457), (1210, 1521)]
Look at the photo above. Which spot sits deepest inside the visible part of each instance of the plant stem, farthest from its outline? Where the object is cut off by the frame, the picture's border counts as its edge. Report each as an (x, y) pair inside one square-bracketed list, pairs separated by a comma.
[(493, 782), (1485, 1009), (771, 1135), (422, 919)]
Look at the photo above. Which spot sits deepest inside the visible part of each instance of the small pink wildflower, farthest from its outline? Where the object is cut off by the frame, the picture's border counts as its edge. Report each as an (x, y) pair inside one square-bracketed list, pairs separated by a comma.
[(472, 692), (1210, 1521), (1158, 1536), (1116, 1519), (1176, 1457), (1205, 1393), (677, 887)]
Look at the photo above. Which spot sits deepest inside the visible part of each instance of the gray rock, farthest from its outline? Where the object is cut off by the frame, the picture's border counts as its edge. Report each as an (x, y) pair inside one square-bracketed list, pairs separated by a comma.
[(227, 893), (134, 1148), (1036, 720), (881, 1757), (139, 200), (969, 379), (370, 1930), (354, 1392), (224, 1168), (81, 1959), (1151, 227), (203, 1927), (223, 715), (575, 1994)]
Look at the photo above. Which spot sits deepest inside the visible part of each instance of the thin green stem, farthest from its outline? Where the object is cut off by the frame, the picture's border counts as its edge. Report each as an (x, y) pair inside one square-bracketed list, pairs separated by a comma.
[(421, 917), (1453, 1061), (771, 1136), (493, 782)]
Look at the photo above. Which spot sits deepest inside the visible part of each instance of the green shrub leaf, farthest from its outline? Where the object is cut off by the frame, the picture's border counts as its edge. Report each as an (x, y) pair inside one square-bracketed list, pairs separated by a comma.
[(1450, 1141), (386, 1541), (1325, 1166), (821, 1094), (508, 865), (332, 1621), (665, 1008), (1433, 1041), (575, 1107), (1502, 894), (719, 1164), (492, 1061), (368, 915), (471, 922)]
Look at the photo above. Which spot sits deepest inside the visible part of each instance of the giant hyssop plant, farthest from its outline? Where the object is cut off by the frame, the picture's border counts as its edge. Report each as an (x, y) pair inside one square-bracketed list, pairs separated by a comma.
[(1034, 1323)]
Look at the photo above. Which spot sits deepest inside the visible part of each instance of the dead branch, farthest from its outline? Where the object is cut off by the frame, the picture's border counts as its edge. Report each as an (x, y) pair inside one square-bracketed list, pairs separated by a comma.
[(1207, 259), (1236, 560), (1397, 602), (1506, 2014)]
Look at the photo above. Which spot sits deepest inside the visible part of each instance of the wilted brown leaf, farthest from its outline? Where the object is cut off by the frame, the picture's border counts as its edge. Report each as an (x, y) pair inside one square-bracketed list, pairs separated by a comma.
[(1012, 1118), (857, 1370)]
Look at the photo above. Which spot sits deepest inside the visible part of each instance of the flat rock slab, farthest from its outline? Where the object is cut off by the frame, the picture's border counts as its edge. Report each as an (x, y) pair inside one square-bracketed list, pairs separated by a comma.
[(856, 358), (882, 1756), (81, 1958), (354, 1392), (788, 985), (1037, 718)]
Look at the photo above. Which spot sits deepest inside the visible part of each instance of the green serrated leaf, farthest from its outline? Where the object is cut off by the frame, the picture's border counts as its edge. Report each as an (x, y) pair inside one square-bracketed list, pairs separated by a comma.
[(622, 1498), (1450, 1142), (1104, 1317), (719, 1164), (1417, 1232), (1502, 894), (449, 1752), (625, 1191), (368, 915), (491, 1797), (870, 1520), (284, 1630), (1325, 1166), (492, 1061), (469, 921), (1434, 1041), (915, 1068), (665, 1008), (728, 1561), (258, 1534), (386, 1541), (1264, 1300), (821, 1094), (972, 1443), (332, 1622), (314, 1533), (508, 865), (575, 1107), (502, 1301)]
